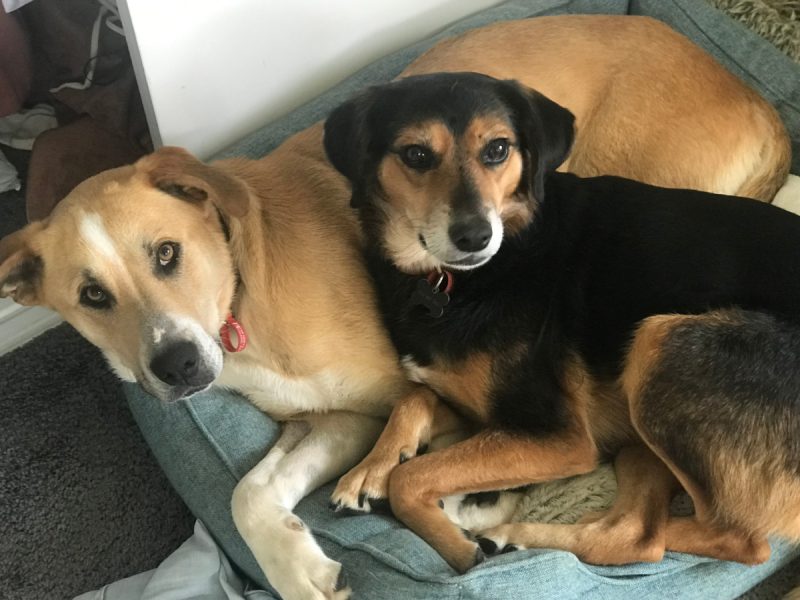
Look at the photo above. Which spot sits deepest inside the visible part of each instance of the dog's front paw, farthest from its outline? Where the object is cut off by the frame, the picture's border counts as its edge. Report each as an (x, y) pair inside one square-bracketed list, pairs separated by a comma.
[(365, 488), (462, 557)]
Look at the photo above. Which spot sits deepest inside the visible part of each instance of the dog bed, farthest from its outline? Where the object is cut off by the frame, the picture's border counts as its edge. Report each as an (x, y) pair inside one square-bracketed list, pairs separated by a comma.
[(205, 444)]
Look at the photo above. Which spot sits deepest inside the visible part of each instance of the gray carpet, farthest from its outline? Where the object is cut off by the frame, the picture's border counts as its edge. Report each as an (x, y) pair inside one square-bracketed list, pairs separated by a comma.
[(83, 501)]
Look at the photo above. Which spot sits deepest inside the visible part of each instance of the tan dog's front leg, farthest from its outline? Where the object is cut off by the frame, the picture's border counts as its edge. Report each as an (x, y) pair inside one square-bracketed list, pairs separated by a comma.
[(306, 456), (414, 421)]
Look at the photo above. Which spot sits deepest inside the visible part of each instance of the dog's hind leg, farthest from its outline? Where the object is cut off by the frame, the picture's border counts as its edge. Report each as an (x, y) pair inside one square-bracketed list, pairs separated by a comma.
[(632, 530), (307, 455), (717, 399), (490, 460)]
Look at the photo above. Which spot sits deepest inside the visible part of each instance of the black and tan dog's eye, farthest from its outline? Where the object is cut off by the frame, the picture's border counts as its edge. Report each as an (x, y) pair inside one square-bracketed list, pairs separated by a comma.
[(495, 151), (95, 296), (167, 255), (417, 157)]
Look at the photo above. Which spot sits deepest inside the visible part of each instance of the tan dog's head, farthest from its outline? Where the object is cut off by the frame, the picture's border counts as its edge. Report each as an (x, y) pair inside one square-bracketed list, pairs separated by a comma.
[(136, 260), (442, 164)]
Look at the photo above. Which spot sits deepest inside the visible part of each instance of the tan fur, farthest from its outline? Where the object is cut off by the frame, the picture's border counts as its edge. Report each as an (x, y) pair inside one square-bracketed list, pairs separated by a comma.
[(415, 421), (490, 460), (751, 499), (685, 101), (498, 184), (606, 408), (465, 385), (307, 294), (633, 530)]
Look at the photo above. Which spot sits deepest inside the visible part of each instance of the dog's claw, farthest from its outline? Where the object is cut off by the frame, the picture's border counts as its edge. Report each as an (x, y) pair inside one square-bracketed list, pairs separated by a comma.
[(509, 548), (335, 506), (346, 511), (362, 498), (341, 581), (404, 457)]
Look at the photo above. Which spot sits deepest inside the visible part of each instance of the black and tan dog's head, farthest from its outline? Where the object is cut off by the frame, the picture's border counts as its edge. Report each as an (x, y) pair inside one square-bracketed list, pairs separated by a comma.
[(136, 259), (442, 164)]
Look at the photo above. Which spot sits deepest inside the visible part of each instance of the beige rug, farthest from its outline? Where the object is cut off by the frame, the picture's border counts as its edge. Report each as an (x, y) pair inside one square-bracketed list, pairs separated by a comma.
[(775, 20)]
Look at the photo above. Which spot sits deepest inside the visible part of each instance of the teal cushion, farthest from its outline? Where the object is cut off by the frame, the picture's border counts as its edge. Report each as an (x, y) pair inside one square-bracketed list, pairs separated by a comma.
[(206, 444)]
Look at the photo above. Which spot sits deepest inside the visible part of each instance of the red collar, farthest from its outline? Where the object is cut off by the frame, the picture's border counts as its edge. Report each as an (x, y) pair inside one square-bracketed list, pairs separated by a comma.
[(225, 335)]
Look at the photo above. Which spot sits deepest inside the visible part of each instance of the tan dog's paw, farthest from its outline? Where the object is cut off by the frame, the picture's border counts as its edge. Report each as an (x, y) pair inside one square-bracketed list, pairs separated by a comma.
[(462, 557), (365, 488)]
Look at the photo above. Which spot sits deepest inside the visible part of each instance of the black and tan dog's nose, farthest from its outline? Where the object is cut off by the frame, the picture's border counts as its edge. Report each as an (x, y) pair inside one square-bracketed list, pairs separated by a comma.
[(177, 364), (471, 234)]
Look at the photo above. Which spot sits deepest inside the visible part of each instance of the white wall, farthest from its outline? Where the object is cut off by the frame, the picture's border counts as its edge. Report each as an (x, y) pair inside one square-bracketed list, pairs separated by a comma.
[(212, 71)]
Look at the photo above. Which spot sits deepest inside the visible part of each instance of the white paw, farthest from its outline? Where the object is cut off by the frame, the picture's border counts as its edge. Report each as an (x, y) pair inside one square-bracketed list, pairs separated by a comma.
[(307, 578), (292, 560)]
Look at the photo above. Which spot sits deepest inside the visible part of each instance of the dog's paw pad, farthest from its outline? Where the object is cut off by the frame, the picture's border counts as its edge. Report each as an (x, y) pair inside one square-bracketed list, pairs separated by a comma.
[(487, 545), (380, 505)]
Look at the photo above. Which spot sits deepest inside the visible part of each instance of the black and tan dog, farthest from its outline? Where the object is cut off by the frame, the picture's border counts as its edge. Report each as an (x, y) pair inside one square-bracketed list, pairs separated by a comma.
[(573, 318)]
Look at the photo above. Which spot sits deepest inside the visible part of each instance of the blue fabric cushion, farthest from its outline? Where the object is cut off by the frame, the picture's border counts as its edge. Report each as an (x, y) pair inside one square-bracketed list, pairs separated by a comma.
[(206, 444)]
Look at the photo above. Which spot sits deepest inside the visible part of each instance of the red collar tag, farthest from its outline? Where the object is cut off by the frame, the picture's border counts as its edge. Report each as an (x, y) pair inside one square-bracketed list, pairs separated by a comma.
[(225, 335)]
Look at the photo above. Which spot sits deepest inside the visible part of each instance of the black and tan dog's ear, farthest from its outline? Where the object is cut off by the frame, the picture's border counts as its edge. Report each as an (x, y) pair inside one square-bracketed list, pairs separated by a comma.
[(20, 266), (546, 131), (347, 142), (178, 173)]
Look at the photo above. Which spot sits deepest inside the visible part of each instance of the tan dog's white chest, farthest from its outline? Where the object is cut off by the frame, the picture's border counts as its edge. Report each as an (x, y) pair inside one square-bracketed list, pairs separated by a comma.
[(282, 396)]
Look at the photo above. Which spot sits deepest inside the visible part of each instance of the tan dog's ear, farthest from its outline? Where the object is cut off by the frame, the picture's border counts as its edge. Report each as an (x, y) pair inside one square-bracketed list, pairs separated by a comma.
[(178, 173), (20, 267)]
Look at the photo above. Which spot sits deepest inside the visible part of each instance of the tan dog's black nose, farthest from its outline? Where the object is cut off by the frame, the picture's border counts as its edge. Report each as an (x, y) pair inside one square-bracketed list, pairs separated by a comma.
[(177, 364), (471, 234)]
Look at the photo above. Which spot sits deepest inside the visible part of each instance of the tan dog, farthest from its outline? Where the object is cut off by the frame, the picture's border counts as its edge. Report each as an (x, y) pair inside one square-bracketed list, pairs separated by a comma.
[(148, 261)]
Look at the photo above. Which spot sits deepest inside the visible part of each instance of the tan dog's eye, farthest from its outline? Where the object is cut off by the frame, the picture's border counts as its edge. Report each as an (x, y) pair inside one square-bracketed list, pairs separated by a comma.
[(495, 151), (95, 296), (417, 157), (166, 253), (167, 257)]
